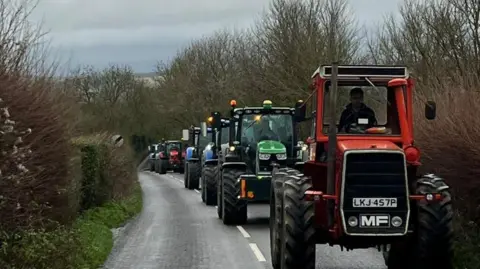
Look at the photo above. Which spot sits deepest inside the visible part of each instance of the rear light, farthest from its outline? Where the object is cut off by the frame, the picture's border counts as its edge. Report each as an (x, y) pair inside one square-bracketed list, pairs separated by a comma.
[(412, 154)]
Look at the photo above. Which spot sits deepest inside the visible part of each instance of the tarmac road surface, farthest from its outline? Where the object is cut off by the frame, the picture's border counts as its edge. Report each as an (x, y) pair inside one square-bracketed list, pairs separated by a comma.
[(177, 231)]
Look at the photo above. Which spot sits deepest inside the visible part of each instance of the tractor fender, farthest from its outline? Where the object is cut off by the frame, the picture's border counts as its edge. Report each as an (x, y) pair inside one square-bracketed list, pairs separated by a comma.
[(211, 162), (240, 165), (189, 153)]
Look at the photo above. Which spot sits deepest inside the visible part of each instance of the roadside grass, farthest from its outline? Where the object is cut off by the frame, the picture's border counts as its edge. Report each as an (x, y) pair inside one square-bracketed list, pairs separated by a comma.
[(85, 245), (95, 237)]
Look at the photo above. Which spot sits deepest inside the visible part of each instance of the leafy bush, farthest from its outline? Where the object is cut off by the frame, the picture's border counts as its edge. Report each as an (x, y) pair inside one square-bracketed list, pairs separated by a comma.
[(108, 172)]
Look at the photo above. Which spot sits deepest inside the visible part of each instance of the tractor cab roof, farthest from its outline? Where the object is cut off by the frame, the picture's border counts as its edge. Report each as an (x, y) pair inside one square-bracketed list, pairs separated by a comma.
[(361, 72), (262, 110), (173, 141)]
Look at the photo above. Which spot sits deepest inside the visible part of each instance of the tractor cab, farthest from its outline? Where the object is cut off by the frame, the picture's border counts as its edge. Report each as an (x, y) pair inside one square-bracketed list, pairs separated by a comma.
[(216, 124), (264, 135), (262, 140)]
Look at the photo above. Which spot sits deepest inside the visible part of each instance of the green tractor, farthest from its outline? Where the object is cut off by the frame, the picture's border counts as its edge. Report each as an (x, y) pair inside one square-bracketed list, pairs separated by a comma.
[(261, 139)]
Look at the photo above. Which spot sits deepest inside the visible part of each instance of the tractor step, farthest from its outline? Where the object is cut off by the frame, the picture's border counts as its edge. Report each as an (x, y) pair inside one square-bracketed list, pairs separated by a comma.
[(255, 188)]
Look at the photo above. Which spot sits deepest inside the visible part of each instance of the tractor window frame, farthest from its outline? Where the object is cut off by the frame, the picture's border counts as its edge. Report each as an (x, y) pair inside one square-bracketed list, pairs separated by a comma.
[(357, 83)]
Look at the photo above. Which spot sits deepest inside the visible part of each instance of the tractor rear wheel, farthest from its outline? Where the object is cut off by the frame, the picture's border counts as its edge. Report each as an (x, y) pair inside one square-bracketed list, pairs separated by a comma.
[(194, 170), (210, 187), (234, 209), (431, 246), (297, 248), (276, 193), (163, 166), (185, 176)]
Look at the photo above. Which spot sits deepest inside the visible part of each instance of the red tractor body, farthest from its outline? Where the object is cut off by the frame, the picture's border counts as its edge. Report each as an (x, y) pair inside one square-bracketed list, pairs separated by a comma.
[(359, 187)]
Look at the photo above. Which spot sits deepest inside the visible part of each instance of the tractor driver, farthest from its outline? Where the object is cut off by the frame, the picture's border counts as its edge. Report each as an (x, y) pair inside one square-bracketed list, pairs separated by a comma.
[(264, 131), (355, 110)]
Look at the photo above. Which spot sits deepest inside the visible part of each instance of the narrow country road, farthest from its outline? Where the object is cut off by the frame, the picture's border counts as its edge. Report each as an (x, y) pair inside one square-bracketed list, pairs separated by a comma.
[(175, 230)]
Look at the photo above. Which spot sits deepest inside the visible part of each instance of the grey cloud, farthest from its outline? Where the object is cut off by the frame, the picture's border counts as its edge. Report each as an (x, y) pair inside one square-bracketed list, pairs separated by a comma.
[(64, 16), (141, 32)]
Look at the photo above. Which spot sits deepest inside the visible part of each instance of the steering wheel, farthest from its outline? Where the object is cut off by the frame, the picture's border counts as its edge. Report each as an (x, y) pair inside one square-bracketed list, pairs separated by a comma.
[(354, 128)]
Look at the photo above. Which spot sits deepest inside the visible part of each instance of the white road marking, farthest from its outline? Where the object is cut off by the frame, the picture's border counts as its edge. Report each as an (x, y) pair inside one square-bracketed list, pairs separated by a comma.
[(257, 252), (197, 191), (243, 232)]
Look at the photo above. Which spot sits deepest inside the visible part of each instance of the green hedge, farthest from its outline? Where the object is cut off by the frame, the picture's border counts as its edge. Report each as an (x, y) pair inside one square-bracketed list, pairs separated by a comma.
[(96, 186)]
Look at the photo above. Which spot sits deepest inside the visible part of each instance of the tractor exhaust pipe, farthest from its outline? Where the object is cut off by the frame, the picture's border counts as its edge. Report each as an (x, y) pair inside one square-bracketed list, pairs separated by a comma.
[(332, 142)]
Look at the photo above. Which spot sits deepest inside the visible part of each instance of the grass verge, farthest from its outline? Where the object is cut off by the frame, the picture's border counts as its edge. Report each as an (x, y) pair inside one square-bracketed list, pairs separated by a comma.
[(94, 228), (86, 245)]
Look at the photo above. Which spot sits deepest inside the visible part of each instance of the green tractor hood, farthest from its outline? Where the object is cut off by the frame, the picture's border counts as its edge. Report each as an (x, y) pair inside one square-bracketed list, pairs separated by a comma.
[(271, 147)]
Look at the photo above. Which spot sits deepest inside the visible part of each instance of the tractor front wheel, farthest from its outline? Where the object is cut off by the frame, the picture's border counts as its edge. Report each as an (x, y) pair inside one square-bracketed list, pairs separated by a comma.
[(431, 246), (194, 171), (210, 187), (163, 167), (276, 193), (185, 176), (202, 179), (297, 249), (234, 209), (151, 165), (219, 196)]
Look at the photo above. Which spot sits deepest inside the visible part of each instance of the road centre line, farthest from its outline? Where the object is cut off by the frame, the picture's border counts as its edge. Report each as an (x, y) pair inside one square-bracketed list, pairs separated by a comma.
[(257, 252), (243, 232)]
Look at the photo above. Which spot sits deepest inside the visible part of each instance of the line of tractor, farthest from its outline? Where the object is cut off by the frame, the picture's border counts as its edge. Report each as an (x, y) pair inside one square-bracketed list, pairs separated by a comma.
[(353, 182)]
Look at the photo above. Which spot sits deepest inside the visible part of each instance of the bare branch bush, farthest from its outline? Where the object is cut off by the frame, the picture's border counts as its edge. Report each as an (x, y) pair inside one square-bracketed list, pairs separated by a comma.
[(439, 41), (273, 60)]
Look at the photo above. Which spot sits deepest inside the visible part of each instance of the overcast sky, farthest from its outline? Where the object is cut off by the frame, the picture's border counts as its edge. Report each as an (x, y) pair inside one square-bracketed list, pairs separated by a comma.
[(142, 32)]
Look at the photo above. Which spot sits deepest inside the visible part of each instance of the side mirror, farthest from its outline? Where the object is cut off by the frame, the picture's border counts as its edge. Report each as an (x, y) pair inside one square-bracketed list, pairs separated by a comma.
[(203, 128), (300, 111), (430, 110), (185, 133)]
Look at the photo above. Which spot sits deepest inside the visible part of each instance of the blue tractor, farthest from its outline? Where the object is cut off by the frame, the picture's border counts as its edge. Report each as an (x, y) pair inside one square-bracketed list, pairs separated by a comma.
[(193, 156), (218, 133)]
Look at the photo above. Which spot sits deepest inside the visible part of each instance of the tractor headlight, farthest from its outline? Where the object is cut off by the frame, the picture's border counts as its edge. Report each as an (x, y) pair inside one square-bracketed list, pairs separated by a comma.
[(281, 156), (232, 148), (263, 156)]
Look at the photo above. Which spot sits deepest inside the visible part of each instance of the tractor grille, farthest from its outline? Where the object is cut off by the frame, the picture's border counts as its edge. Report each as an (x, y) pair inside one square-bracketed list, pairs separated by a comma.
[(374, 174), (265, 165)]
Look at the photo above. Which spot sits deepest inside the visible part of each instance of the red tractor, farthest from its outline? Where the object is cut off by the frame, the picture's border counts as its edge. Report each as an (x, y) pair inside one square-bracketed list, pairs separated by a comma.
[(359, 187)]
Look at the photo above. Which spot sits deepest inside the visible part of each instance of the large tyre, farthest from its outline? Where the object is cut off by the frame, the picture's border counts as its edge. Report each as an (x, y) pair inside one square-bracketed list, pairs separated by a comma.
[(163, 167), (151, 165), (234, 211), (219, 194), (210, 187), (431, 246), (276, 193), (202, 179), (194, 171), (185, 176), (297, 248), (155, 165)]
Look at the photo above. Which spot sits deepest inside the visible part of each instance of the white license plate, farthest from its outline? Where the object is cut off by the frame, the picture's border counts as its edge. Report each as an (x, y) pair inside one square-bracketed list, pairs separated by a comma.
[(374, 202)]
